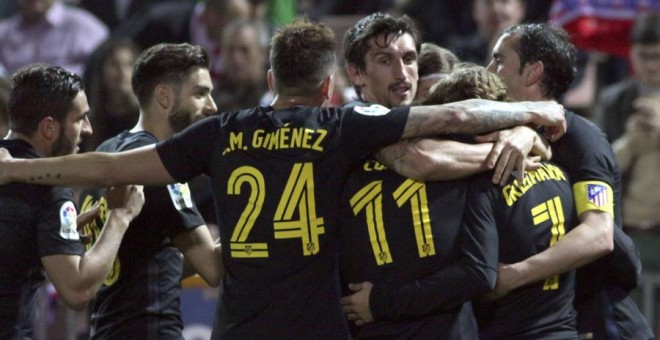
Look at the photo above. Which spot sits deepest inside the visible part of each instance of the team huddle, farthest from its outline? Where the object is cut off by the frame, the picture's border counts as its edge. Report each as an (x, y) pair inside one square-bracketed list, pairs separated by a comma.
[(383, 218)]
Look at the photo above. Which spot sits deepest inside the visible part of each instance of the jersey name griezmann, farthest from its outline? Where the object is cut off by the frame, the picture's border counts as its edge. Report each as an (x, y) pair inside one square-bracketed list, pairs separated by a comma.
[(516, 190), (282, 138)]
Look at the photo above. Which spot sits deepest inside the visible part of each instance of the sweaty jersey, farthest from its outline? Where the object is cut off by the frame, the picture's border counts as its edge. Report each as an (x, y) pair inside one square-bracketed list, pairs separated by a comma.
[(525, 219), (605, 309), (140, 296), (35, 221), (276, 179), (396, 231)]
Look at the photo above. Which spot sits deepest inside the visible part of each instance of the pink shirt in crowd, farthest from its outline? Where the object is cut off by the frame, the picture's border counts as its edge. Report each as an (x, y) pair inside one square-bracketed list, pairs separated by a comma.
[(65, 37)]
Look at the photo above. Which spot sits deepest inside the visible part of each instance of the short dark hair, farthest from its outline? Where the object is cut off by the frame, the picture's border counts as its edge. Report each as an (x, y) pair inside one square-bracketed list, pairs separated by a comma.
[(467, 82), (647, 29), (165, 63), (435, 59), (39, 91), (552, 46), (302, 55), (356, 40)]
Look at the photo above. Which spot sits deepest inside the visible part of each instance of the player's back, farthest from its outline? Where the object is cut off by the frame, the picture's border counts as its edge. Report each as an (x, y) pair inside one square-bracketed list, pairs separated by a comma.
[(395, 230), (530, 217), (277, 178)]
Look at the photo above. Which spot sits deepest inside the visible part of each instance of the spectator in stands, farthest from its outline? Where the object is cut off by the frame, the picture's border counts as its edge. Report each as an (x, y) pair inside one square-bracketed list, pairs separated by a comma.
[(244, 81), (433, 63), (113, 12), (629, 112), (113, 106), (638, 153), (491, 17), (48, 31), (616, 103), (199, 23)]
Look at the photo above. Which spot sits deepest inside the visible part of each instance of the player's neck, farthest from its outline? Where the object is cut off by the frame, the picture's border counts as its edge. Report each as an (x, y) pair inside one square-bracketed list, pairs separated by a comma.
[(282, 102), (42, 146), (159, 127)]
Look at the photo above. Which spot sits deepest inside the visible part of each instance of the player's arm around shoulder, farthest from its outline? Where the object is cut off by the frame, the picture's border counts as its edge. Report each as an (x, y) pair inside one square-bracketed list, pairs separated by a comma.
[(435, 159), (587, 242), (77, 278), (93, 169), (475, 116)]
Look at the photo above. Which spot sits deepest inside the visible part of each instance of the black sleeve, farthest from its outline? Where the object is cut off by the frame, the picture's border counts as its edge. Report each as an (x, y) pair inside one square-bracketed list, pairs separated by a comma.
[(188, 153), (623, 261), (474, 274)]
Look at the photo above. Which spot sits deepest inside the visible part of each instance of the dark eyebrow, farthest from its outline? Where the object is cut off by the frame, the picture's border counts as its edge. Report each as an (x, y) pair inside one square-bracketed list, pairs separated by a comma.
[(202, 88)]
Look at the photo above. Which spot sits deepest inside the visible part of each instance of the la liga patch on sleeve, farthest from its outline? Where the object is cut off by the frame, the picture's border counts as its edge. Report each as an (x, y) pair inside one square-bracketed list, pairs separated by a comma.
[(372, 110), (180, 195), (593, 195), (68, 225)]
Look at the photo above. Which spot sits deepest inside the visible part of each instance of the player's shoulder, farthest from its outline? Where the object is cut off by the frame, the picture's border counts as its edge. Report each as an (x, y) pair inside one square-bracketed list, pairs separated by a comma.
[(19, 148)]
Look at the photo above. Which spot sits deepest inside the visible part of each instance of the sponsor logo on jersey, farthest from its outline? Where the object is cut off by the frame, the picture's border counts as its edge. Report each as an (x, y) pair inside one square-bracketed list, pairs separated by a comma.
[(597, 194), (180, 195), (68, 226), (372, 110)]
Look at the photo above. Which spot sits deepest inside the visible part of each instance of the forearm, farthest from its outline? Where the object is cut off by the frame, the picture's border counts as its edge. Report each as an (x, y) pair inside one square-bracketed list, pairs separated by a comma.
[(458, 160), (96, 263), (587, 242), (472, 116), (442, 290), (202, 255), (94, 169), (435, 160), (71, 170)]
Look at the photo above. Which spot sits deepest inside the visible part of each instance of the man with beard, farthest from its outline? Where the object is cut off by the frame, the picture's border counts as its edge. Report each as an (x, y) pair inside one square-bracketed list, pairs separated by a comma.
[(140, 297), (404, 230), (38, 224), (537, 62), (276, 175)]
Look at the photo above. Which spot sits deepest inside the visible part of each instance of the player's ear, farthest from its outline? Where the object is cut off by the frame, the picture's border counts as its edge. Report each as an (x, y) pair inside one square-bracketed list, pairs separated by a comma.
[(49, 128), (327, 87), (271, 81), (534, 73), (164, 95)]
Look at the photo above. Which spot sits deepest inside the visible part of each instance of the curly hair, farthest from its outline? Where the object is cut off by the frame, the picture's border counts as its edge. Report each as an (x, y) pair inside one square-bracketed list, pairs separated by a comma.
[(467, 82)]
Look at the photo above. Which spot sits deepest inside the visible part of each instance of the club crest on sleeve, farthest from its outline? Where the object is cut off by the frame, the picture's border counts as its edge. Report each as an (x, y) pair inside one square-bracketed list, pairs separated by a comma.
[(372, 110), (68, 226), (597, 194), (180, 195)]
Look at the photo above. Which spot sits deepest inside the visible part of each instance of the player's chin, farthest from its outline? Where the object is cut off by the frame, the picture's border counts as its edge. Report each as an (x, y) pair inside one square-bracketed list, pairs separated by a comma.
[(401, 100)]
